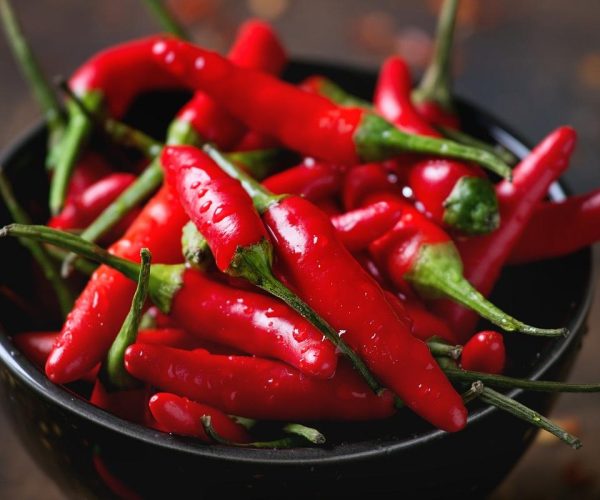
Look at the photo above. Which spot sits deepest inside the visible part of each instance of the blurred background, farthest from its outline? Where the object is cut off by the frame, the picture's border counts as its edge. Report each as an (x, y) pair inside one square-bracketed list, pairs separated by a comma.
[(533, 64)]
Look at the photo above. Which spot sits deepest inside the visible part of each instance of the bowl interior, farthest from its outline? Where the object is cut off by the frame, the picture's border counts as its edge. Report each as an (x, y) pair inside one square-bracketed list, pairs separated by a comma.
[(550, 293)]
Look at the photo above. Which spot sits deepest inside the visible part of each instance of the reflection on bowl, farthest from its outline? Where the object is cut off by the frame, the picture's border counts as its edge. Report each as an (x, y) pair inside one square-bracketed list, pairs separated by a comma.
[(91, 453)]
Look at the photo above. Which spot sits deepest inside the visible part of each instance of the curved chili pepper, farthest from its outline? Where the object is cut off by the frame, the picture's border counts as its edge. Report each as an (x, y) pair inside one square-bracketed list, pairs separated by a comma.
[(312, 179), (246, 320), (82, 209), (364, 180), (485, 256), (484, 352), (101, 308), (90, 168), (418, 255), (424, 324), (109, 80), (256, 44), (311, 124), (184, 417), (557, 229), (255, 387), (433, 96)]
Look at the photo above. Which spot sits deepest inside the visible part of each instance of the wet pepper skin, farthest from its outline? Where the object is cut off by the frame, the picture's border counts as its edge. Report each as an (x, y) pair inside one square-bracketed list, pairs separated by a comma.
[(100, 310), (322, 271), (255, 387)]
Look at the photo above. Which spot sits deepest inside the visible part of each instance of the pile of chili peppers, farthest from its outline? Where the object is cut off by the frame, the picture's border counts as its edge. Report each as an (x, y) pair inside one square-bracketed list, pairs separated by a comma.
[(290, 253)]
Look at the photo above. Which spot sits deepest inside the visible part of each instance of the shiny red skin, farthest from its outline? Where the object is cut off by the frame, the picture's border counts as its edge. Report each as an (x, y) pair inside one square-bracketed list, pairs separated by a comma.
[(82, 210), (364, 180), (312, 179), (129, 404), (434, 114), (253, 141), (255, 387), (217, 204), (251, 322), (361, 226), (557, 229), (100, 310), (181, 416), (122, 72), (256, 47), (392, 99), (398, 251), (36, 346), (433, 180), (90, 168), (484, 256), (311, 124), (325, 274), (484, 352), (424, 324)]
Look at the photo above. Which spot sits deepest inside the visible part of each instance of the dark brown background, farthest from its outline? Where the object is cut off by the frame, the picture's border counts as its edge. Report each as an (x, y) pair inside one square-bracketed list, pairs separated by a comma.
[(534, 64)]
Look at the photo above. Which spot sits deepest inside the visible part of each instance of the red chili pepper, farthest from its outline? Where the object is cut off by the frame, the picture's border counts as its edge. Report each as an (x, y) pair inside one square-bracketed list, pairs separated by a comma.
[(484, 352), (255, 387), (81, 210), (90, 168), (455, 195), (312, 179), (256, 46), (322, 271), (419, 256), (424, 324), (36, 346), (364, 180), (485, 256), (253, 141), (311, 124), (184, 417), (99, 312), (130, 404), (557, 229)]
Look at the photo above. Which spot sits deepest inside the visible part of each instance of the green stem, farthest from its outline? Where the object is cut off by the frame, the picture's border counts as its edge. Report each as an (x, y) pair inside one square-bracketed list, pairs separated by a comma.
[(468, 140), (261, 197), (113, 372), (473, 392), (63, 293), (436, 85), (83, 266), (521, 411), (34, 75), (504, 382), (438, 272), (311, 434), (165, 18), (440, 348), (254, 264), (297, 439), (378, 140), (195, 247), (74, 140), (165, 280)]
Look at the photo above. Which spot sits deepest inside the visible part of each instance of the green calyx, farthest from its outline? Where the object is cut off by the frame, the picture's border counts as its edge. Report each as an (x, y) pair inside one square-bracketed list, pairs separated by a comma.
[(253, 263), (113, 373), (195, 247), (438, 273), (376, 140), (472, 206), (165, 280), (436, 85), (71, 145)]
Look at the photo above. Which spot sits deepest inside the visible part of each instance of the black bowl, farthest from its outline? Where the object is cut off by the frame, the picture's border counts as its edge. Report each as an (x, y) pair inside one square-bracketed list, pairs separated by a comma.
[(92, 453)]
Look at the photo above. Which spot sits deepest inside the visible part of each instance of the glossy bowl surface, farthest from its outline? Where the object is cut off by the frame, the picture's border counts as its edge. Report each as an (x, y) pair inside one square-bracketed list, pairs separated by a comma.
[(90, 452)]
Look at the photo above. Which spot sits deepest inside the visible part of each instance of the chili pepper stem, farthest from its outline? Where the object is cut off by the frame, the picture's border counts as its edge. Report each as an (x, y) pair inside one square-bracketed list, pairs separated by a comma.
[(436, 273), (63, 293), (113, 373), (165, 280), (83, 266), (521, 411), (297, 439), (76, 133), (311, 434), (254, 264), (436, 84), (165, 18), (377, 140), (439, 348), (473, 392), (30, 67), (504, 382)]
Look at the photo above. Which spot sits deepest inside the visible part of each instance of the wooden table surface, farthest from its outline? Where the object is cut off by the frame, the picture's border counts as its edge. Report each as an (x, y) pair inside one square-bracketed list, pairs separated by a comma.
[(534, 64)]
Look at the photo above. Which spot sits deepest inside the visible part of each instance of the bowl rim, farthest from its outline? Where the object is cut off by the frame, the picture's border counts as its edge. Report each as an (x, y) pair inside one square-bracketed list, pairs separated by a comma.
[(36, 381)]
